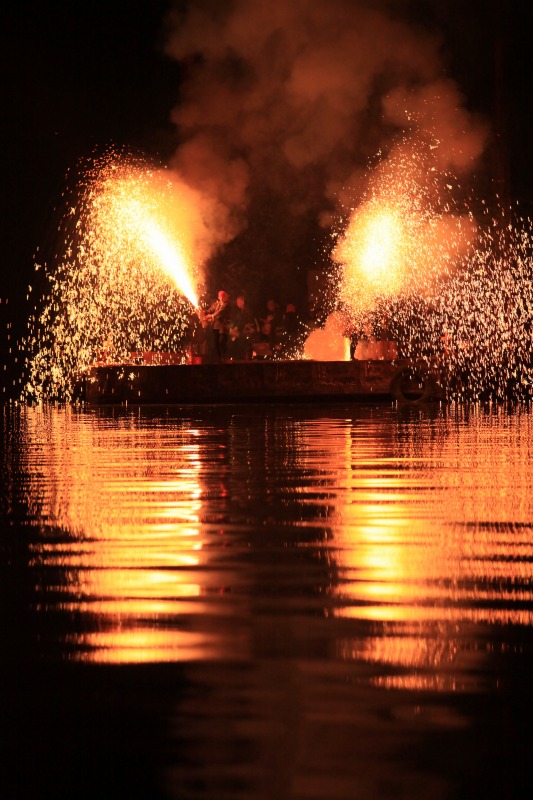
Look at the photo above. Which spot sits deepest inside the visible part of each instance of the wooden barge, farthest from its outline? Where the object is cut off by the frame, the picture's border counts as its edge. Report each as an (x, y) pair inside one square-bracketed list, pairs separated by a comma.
[(259, 381)]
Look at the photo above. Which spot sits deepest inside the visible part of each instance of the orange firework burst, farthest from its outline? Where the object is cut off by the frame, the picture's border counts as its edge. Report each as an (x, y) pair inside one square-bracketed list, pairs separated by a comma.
[(125, 279), (139, 218), (403, 235), (373, 252), (417, 269)]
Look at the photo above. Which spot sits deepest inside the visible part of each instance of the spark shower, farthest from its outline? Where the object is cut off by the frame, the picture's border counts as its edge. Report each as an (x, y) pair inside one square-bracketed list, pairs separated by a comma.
[(450, 286)]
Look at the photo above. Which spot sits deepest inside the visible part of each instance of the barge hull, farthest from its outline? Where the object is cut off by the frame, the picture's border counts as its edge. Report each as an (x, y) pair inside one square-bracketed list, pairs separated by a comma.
[(250, 381)]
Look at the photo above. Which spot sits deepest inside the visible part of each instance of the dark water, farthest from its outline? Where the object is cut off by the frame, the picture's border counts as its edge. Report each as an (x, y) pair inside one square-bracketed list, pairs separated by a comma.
[(285, 602)]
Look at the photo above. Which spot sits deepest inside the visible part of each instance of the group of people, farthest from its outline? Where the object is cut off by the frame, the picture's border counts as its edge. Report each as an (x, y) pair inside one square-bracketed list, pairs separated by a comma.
[(232, 331)]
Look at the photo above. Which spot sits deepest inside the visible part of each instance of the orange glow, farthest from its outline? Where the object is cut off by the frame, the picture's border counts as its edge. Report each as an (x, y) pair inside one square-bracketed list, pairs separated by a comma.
[(412, 550), (138, 646), (403, 235), (141, 554), (328, 343), (144, 213), (126, 276), (373, 251), (399, 565)]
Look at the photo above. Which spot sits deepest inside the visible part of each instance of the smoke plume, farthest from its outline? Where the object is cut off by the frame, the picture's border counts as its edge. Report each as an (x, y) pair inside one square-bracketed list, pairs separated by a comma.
[(283, 103)]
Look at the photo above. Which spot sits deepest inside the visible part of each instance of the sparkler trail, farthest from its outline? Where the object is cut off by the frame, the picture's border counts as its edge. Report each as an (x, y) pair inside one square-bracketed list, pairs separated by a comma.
[(124, 281)]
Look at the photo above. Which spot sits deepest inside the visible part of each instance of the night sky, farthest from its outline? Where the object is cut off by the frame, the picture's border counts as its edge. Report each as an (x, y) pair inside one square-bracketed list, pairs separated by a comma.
[(80, 76)]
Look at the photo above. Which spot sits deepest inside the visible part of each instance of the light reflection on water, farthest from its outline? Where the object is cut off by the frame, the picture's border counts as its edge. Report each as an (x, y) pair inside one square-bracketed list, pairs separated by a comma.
[(146, 526), (309, 555)]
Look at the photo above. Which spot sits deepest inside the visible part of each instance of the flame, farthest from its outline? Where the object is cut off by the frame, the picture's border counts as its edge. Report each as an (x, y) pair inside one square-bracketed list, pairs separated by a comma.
[(382, 235), (328, 343), (171, 259)]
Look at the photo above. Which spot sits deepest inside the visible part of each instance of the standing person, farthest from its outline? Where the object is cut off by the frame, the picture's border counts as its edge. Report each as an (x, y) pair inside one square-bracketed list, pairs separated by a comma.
[(247, 324), (218, 316), (272, 313), (242, 316), (243, 330)]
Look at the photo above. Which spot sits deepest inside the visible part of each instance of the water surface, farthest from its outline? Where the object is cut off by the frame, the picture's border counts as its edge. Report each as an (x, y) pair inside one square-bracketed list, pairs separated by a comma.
[(266, 602)]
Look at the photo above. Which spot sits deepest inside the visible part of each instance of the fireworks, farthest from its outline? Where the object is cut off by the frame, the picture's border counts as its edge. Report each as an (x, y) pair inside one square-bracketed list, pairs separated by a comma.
[(411, 265), (416, 268), (125, 279), (403, 236), (485, 315)]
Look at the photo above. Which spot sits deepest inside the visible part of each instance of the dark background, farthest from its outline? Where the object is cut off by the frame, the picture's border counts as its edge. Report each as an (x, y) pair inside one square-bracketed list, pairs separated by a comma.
[(81, 76)]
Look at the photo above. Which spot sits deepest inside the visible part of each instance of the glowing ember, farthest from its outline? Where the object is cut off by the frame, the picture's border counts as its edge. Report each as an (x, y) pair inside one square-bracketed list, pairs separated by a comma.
[(124, 282)]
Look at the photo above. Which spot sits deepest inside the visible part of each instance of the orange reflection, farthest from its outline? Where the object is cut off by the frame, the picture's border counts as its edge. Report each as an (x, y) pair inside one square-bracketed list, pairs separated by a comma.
[(424, 533), (134, 562), (430, 537)]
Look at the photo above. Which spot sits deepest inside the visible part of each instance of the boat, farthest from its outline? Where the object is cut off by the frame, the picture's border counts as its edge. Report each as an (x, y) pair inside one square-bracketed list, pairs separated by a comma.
[(156, 380)]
